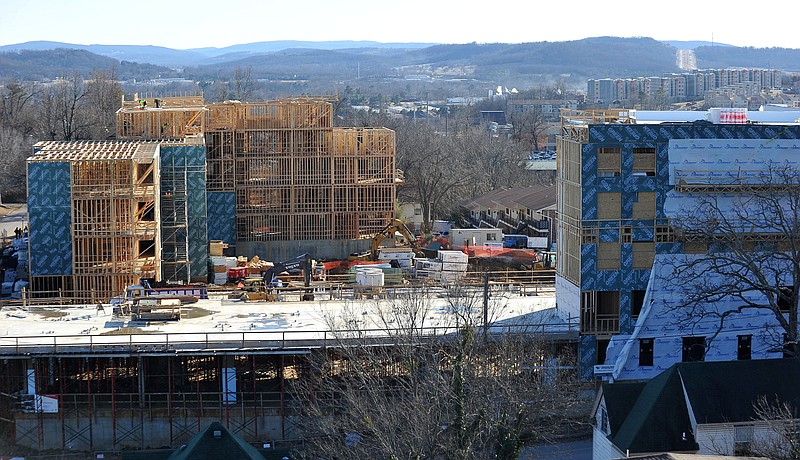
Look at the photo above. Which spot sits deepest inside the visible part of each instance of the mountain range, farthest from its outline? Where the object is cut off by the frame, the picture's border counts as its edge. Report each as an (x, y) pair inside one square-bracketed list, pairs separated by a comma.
[(516, 64)]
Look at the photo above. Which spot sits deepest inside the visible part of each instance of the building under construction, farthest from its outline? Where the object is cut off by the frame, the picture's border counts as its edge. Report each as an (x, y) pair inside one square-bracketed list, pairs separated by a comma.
[(76, 378), (272, 179), (104, 214), (280, 179)]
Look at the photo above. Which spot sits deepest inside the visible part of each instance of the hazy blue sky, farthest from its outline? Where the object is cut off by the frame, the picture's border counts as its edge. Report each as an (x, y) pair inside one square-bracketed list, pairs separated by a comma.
[(218, 23)]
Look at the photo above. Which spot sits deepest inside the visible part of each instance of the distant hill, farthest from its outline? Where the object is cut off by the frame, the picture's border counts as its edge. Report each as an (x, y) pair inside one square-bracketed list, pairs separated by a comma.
[(711, 57), (690, 45), (52, 64), (522, 65), (169, 57), (514, 64)]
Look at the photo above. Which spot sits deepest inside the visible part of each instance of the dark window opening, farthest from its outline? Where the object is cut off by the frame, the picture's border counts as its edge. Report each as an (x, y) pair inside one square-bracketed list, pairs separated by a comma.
[(637, 300), (745, 347), (146, 210), (144, 171), (646, 352), (785, 299), (694, 349), (602, 345), (147, 248)]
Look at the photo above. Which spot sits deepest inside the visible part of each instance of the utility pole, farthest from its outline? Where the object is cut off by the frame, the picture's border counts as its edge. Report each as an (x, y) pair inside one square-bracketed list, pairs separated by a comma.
[(485, 305)]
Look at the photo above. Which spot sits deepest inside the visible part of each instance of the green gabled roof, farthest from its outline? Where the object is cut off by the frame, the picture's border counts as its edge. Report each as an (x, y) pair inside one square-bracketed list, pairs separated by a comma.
[(658, 421), (620, 398), (726, 391), (718, 392), (205, 446)]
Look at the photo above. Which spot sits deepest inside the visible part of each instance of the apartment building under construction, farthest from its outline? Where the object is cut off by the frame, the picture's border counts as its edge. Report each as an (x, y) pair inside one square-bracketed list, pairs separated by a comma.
[(623, 177), (273, 179), (281, 180), (104, 214)]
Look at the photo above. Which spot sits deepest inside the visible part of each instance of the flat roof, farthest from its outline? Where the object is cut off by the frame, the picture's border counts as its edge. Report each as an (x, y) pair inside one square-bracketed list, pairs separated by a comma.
[(781, 117), (227, 325)]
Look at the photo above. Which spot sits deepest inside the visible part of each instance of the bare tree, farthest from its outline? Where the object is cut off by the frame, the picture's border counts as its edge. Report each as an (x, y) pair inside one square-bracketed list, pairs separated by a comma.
[(14, 149), (496, 162), (103, 98), (62, 113), (16, 101), (389, 388), (242, 84), (779, 434), (16, 137), (529, 127), (750, 257), (436, 171)]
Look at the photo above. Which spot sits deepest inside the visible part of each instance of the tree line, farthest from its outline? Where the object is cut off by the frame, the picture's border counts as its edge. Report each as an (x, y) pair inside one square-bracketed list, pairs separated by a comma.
[(70, 108), (446, 155)]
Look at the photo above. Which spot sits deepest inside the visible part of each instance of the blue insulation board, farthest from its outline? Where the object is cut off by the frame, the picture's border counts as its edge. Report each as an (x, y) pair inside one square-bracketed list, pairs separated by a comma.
[(628, 137), (50, 218), (222, 216)]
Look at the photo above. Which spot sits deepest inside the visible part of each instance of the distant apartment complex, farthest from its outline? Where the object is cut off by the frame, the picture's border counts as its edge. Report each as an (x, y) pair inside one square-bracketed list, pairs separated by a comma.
[(682, 87), (549, 108)]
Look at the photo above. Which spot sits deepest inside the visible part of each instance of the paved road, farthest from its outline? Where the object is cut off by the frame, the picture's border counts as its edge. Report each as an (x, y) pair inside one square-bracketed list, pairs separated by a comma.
[(12, 216)]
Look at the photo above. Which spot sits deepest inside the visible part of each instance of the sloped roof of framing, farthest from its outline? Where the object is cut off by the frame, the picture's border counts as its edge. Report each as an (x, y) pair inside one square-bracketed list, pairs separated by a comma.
[(535, 198), (94, 150)]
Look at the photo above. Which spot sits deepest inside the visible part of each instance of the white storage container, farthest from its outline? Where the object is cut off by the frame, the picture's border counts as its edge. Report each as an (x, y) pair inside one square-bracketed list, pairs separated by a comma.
[(395, 254), (453, 256), (454, 267), (369, 277)]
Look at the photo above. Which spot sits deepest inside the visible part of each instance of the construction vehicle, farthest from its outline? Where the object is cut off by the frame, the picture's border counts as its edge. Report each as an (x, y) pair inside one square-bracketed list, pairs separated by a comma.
[(155, 309), (186, 294), (546, 260), (390, 231), (302, 262)]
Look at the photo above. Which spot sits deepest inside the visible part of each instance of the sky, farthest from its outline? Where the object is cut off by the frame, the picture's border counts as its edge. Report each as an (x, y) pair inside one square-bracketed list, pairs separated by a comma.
[(204, 23)]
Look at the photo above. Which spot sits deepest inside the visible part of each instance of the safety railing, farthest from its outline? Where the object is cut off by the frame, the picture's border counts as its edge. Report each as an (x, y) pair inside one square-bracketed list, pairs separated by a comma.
[(261, 341)]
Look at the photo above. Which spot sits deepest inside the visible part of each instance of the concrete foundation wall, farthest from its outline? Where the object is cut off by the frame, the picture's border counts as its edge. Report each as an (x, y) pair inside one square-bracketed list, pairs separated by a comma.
[(277, 251), (134, 430)]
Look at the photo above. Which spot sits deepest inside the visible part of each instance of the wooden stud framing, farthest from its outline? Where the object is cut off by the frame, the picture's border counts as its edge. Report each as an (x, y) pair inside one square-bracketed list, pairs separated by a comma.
[(172, 117), (114, 228), (296, 177)]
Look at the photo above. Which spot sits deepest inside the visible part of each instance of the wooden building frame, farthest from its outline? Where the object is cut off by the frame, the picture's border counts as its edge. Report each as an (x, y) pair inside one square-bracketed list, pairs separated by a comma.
[(115, 216), (171, 117), (294, 175)]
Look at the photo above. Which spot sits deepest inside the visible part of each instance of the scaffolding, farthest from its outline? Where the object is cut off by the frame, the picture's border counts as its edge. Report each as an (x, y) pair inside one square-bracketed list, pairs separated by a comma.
[(174, 224), (114, 216)]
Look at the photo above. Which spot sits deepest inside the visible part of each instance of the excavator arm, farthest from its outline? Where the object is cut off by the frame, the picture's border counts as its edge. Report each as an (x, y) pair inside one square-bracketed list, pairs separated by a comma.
[(301, 262), (389, 231)]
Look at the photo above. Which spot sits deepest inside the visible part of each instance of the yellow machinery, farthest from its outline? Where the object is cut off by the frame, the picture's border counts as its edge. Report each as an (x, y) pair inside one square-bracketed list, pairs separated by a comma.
[(389, 231)]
